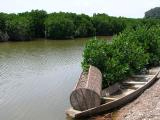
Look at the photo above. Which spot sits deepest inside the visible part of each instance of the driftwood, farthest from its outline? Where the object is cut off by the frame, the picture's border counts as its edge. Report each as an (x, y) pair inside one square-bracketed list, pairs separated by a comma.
[(87, 93)]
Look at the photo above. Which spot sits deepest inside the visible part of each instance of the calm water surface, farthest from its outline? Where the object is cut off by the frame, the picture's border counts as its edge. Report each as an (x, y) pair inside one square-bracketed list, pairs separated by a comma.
[(37, 77)]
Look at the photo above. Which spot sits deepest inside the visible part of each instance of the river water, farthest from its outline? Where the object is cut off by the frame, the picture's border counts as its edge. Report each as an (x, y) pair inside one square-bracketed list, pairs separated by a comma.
[(36, 78)]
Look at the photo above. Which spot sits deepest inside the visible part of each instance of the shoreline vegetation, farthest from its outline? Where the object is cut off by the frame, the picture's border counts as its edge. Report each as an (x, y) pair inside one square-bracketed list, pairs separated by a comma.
[(134, 50), (40, 24)]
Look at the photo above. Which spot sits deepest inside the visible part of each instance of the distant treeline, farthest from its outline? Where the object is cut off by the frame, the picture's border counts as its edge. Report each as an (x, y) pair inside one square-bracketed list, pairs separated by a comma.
[(39, 24)]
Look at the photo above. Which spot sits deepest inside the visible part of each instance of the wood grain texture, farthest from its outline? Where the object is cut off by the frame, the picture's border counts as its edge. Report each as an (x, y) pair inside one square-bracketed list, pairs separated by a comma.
[(87, 93)]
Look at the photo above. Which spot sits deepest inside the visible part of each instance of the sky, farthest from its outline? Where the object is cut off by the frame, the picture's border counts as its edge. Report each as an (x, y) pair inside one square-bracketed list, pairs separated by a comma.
[(125, 8)]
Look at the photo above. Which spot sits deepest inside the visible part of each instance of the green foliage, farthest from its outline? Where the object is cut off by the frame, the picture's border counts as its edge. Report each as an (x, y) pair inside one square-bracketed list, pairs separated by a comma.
[(106, 25), (80, 25), (150, 22), (148, 39), (83, 26), (39, 24), (37, 19), (133, 53), (129, 52), (2, 22), (94, 53), (102, 55), (59, 27), (18, 28), (132, 23), (153, 13)]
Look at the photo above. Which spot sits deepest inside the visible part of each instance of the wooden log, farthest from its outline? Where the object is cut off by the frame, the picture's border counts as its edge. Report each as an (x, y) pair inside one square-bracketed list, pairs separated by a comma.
[(87, 93)]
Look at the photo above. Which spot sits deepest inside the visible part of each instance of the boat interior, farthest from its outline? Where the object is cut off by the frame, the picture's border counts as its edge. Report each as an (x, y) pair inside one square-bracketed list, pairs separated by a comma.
[(127, 87)]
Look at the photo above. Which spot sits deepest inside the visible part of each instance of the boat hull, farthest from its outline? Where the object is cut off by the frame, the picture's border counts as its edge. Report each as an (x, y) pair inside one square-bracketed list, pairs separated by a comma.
[(113, 104)]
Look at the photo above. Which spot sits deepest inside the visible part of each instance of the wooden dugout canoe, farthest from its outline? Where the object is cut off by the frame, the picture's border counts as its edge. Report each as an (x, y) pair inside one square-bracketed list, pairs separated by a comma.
[(125, 92)]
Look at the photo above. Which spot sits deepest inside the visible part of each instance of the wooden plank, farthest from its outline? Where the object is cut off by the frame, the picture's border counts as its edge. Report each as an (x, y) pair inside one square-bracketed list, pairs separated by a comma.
[(134, 82), (142, 76)]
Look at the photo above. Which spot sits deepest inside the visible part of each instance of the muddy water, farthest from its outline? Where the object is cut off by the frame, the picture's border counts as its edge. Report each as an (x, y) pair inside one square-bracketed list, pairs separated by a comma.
[(37, 77)]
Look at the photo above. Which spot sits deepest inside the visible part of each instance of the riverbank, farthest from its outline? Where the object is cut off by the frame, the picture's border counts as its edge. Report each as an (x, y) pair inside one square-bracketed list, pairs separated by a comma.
[(145, 107), (74, 39)]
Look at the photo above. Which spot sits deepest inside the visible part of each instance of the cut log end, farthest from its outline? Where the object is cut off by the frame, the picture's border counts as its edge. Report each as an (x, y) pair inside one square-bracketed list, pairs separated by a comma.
[(87, 93), (83, 99)]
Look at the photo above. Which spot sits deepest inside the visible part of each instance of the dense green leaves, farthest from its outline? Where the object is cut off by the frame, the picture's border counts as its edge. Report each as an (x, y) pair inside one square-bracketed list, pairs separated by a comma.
[(106, 25), (148, 39), (2, 21), (39, 24), (18, 28), (59, 27), (37, 19), (101, 54), (3, 34), (83, 26), (129, 52)]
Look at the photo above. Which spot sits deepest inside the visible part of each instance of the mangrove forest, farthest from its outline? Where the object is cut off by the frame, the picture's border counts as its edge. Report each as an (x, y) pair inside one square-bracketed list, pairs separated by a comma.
[(40, 24)]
